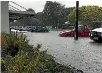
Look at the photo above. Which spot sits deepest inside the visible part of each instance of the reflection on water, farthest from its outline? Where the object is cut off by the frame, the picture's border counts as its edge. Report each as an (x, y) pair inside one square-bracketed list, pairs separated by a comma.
[(83, 54)]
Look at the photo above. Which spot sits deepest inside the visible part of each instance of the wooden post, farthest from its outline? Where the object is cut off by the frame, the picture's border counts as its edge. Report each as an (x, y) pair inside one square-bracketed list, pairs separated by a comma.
[(76, 25)]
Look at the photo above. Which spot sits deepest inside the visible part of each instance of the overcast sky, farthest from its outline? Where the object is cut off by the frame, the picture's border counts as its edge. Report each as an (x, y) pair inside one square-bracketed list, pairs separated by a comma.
[(38, 6)]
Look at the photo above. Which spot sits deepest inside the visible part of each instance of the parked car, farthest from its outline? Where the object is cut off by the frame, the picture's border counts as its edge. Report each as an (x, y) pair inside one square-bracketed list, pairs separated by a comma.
[(39, 29), (31, 28), (83, 31), (22, 29), (96, 34), (43, 29)]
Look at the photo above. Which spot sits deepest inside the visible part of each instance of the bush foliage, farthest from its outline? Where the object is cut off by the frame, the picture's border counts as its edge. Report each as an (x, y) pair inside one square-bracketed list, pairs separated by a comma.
[(20, 57)]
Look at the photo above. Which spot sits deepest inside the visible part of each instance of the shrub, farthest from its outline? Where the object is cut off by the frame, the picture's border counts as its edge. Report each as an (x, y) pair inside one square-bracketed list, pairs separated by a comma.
[(20, 57), (2, 65), (14, 44), (35, 62)]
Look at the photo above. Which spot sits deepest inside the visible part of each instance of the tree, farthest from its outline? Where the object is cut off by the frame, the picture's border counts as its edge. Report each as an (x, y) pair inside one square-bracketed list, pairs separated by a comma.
[(35, 21), (55, 14), (90, 13), (52, 13), (63, 16), (87, 14), (40, 16), (30, 9), (21, 22), (71, 16), (26, 22)]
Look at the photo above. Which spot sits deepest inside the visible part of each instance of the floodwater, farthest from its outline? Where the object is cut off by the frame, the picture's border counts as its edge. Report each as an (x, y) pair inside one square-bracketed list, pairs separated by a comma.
[(83, 54)]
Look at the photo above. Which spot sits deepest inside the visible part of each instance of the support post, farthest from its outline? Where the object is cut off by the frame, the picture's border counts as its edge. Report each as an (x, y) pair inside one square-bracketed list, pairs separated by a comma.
[(76, 25), (4, 17)]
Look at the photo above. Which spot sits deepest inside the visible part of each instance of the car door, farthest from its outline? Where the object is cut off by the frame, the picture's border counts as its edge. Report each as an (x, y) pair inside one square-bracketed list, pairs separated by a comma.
[(81, 31), (86, 32)]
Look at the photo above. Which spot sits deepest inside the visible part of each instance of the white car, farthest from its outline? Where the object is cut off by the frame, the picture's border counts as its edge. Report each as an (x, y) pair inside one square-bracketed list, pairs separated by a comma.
[(96, 34)]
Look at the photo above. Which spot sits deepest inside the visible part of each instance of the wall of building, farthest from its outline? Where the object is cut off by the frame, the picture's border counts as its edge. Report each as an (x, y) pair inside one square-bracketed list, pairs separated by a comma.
[(4, 16)]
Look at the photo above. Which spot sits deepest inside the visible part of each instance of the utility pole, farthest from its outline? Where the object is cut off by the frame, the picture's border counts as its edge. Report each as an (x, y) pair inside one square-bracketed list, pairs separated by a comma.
[(76, 25)]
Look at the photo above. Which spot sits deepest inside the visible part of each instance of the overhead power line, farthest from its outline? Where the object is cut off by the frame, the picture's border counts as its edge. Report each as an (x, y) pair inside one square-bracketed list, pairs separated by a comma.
[(10, 8), (14, 7), (18, 5)]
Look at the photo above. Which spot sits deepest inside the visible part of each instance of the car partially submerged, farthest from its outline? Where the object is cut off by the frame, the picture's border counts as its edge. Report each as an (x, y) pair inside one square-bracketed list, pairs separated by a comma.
[(38, 29), (83, 31), (96, 34)]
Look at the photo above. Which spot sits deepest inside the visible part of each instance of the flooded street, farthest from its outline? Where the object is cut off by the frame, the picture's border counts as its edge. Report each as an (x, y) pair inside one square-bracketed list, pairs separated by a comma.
[(83, 54)]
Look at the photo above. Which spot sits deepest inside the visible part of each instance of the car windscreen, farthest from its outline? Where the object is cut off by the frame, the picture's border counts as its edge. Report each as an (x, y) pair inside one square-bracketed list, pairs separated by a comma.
[(80, 28)]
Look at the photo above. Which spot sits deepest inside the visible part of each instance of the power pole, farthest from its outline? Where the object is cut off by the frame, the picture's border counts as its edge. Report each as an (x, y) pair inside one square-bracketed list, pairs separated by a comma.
[(76, 25)]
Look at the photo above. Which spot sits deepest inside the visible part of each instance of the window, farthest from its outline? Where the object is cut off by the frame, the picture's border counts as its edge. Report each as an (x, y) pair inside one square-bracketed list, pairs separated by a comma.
[(80, 28)]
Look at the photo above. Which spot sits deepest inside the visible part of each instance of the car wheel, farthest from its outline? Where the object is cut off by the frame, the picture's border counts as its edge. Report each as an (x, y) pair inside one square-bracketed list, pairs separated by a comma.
[(96, 40), (80, 71), (99, 40)]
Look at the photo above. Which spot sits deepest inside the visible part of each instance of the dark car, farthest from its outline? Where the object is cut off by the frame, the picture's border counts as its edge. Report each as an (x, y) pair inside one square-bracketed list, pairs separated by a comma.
[(96, 34), (39, 29), (28, 28)]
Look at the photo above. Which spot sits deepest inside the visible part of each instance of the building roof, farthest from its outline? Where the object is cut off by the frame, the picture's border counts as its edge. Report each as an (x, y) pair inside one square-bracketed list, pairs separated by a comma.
[(22, 12)]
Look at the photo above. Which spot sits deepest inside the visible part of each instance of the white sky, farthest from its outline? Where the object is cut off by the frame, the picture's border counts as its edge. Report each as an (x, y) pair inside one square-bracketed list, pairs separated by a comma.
[(38, 6)]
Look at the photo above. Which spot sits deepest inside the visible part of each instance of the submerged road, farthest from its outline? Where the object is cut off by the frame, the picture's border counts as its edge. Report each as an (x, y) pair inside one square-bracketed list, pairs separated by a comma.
[(84, 54)]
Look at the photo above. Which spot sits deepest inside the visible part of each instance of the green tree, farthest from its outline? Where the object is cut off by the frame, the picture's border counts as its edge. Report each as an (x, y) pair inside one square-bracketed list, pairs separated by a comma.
[(52, 13), (26, 22), (30, 9), (35, 21), (71, 16), (87, 14), (41, 18), (63, 16)]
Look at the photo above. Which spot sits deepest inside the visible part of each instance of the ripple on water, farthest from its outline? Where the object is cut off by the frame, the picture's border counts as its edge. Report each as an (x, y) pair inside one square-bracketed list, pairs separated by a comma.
[(83, 54)]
